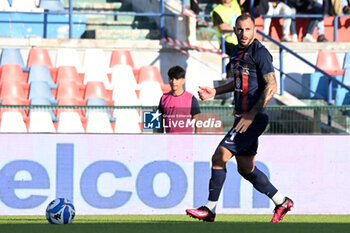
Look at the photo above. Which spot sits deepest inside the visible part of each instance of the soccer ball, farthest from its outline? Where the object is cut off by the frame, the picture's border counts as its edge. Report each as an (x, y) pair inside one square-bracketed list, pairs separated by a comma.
[(60, 211)]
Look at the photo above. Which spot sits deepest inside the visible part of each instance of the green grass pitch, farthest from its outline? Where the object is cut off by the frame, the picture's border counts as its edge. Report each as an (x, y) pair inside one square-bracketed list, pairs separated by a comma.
[(178, 224)]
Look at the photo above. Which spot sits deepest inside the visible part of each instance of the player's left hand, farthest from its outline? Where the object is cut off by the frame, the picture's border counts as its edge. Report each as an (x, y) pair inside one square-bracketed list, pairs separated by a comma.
[(245, 121)]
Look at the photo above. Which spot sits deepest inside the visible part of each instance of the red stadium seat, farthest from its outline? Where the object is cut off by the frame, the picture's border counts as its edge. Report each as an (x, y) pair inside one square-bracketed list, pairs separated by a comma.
[(70, 89), (165, 88), (39, 56), (150, 73), (71, 102), (15, 101), (98, 90), (12, 72), (70, 73), (121, 57), (14, 90), (327, 61)]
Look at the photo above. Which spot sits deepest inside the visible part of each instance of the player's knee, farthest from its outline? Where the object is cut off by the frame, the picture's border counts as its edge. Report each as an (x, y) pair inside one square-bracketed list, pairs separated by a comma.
[(244, 170), (218, 161)]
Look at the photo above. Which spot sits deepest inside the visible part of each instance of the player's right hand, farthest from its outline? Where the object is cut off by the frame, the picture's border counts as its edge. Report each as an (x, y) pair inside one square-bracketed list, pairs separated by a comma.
[(206, 92)]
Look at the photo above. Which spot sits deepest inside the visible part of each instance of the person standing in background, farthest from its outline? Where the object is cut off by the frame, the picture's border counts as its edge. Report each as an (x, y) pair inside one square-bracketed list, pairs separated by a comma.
[(224, 16), (177, 105), (279, 8)]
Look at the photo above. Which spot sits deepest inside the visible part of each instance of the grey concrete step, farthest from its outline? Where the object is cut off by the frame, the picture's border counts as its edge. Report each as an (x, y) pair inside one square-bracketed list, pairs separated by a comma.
[(127, 35), (126, 25)]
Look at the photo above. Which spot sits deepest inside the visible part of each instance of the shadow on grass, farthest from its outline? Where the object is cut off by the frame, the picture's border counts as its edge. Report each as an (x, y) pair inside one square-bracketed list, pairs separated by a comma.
[(178, 227)]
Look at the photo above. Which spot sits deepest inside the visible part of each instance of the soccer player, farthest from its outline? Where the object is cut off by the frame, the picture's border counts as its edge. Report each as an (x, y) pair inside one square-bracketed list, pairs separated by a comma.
[(178, 107), (254, 85)]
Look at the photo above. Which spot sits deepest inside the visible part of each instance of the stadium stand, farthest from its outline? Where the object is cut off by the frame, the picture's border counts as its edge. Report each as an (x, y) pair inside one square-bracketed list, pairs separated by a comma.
[(39, 56), (68, 74), (150, 73), (44, 102), (127, 121), (41, 73), (51, 5), (70, 122), (12, 56), (97, 74), (13, 73), (98, 122), (24, 5), (346, 64), (327, 60), (4, 5), (98, 90), (69, 57), (123, 77), (71, 102), (41, 122), (70, 90), (98, 102), (125, 97), (41, 90), (123, 57), (12, 122), (150, 93)]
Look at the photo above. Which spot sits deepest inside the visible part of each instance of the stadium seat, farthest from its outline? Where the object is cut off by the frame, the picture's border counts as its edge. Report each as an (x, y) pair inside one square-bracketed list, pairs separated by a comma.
[(98, 102), (13, 90), (70, 102), (70, 122), (39, 89), (123, 77), (211, 117), (12, 73), (319, 84), (165, 88), (121, 57), (346, 64), (15, 101), (327, 60), (41, 122), (68, 73), (342, 97), (150, 93), (127, 121), (150, 73), (98, 122), (51, 5), (69, 57), (4, 5), (42, 101), (70, 89), (39, 56), (95, 58), (346, 78), (12, 56), (125, 97), (24, 5), (98, 90), (95, 74), (41, 73), (12, 122)]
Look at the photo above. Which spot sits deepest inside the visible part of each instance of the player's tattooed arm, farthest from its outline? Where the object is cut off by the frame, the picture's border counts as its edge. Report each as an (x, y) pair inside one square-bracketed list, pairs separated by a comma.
[(268, 93)]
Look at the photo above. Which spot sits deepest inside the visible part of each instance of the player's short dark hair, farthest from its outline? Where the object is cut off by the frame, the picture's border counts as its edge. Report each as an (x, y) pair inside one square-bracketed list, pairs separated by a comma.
[(244, 17), (176, 72)]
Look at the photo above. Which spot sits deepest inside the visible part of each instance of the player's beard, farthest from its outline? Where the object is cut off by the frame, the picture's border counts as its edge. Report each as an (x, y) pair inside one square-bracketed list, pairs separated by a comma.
[(249, 41)]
